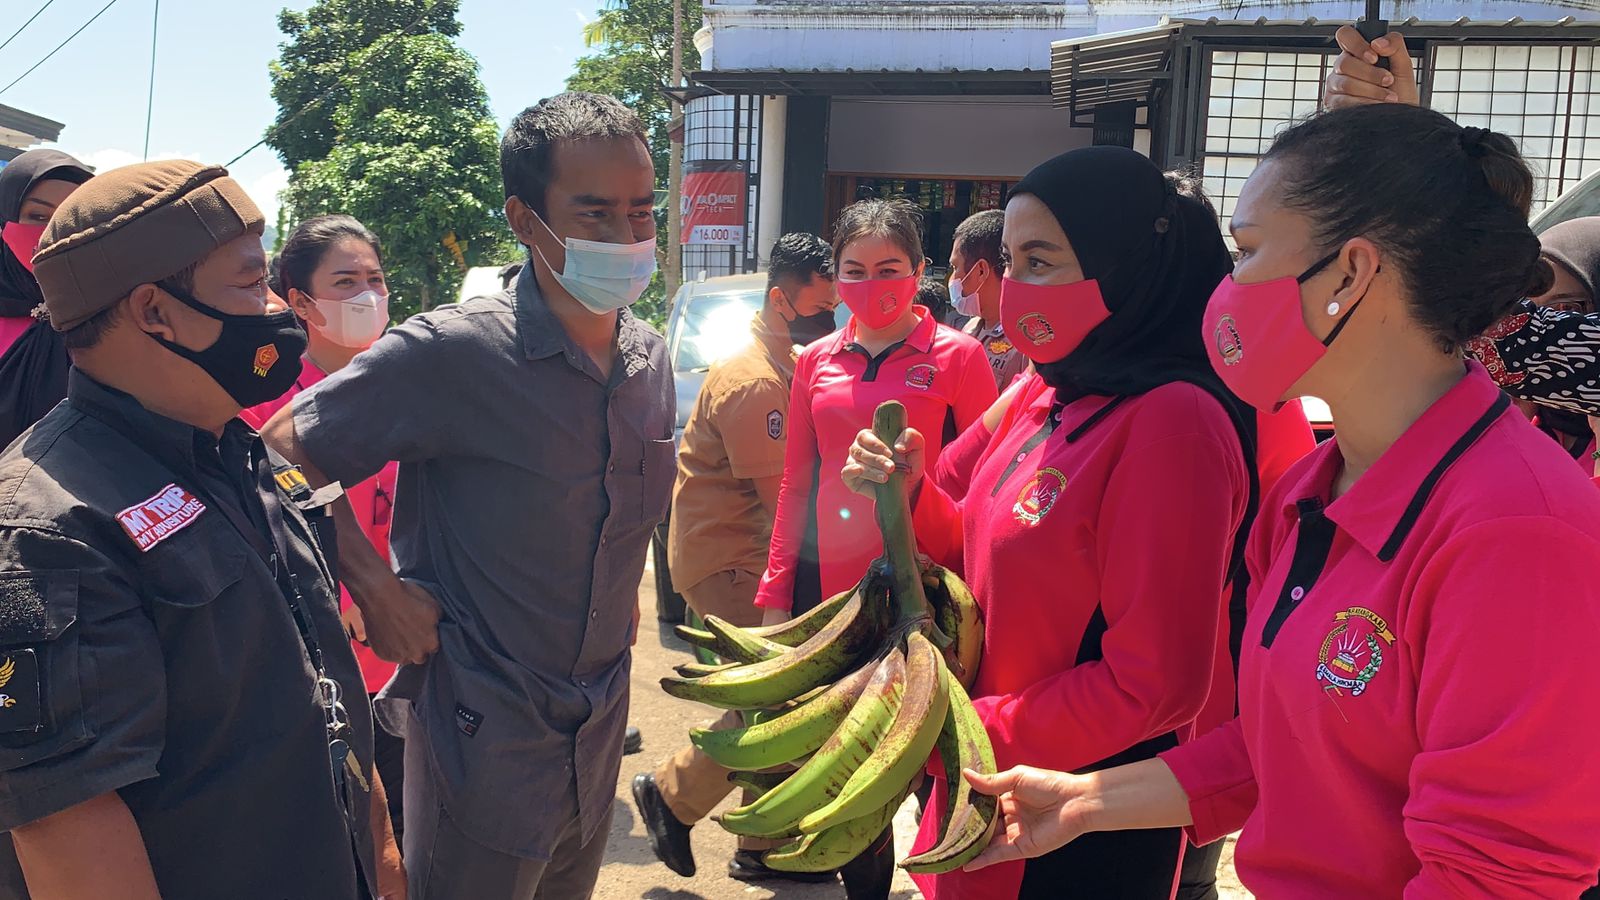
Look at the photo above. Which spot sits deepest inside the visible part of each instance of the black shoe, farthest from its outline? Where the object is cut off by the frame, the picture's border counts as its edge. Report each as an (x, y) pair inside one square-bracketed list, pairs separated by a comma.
[(669, 838), (747, 866), (632, 741), (870, 875)]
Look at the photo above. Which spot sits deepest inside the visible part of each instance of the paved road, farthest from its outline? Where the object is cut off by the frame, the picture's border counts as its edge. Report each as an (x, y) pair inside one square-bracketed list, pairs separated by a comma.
[(631, 871)]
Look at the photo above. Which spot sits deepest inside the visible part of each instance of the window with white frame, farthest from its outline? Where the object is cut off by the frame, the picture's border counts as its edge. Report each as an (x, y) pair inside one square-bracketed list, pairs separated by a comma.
[(1547, 98), (1543, 97)]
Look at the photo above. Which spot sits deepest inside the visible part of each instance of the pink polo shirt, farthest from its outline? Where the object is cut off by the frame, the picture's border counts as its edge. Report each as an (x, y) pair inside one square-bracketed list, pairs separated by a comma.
[(1419, 705), (373, 501), (1116, 520), (943, 378)]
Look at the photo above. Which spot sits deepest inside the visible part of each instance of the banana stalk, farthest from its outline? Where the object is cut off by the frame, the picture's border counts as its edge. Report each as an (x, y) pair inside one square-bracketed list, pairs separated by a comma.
[(899, 543)]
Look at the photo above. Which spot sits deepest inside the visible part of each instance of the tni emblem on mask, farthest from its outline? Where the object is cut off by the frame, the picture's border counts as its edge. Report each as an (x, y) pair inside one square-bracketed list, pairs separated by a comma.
[(888, 301), (1036, 328), (1229, 345), (1352, 653), (266, 358), (1039, 496)]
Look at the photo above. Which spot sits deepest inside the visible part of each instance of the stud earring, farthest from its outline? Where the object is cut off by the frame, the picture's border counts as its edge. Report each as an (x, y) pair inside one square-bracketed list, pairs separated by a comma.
[(1333, 308)]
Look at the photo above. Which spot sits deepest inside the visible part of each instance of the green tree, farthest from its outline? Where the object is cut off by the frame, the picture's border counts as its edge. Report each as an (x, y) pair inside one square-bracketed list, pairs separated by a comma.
[(390, 124), (632, 40)]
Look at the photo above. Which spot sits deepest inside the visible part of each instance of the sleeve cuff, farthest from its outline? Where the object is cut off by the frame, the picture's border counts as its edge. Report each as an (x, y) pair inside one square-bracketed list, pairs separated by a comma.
[(69, 791), (1207, 808), (309, 432)]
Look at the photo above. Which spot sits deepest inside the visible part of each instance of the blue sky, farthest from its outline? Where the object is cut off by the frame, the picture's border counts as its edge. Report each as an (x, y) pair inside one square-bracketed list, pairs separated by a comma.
[(211, 88)]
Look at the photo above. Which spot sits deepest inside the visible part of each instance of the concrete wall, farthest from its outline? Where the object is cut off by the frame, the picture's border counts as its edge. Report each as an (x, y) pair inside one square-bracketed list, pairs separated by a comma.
[(1000, 137)]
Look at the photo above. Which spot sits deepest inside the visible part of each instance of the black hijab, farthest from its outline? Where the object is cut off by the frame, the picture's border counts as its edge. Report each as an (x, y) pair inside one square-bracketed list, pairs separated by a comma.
[(19, 291), (1157, 255)]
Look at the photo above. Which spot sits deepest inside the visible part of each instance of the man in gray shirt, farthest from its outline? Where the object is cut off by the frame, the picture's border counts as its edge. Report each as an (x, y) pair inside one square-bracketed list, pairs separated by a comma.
[(534, 433)]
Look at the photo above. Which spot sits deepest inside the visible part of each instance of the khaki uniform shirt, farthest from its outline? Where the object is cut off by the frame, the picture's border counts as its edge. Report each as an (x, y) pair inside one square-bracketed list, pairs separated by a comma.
[(734, 435), (1004, 359)]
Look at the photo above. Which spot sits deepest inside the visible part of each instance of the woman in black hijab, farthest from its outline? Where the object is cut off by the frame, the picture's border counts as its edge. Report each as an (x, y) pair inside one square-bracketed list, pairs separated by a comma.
[(1099, 514), (33, 360)]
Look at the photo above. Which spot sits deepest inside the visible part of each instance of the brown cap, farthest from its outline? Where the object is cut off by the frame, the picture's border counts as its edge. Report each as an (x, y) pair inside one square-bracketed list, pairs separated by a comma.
[(136, 225)]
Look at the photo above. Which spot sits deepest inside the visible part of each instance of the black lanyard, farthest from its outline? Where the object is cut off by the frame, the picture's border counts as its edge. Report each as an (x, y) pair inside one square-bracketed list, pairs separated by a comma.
[(1051, 421)]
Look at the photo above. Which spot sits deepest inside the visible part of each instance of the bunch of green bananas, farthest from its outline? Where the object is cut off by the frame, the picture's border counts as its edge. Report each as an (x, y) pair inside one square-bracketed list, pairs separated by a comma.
[(857, 694)]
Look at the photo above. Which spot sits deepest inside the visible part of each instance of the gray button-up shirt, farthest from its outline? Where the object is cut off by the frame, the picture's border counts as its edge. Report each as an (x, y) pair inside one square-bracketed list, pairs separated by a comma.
[(528, 489)]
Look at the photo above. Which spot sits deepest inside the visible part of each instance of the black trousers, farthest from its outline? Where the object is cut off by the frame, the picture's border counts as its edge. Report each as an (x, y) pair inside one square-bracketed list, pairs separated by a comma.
[(389, 755), (1198, 880), (1107, 865)]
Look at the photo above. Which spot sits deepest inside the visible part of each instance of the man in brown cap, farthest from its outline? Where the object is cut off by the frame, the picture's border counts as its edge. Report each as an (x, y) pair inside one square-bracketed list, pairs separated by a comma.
[(179, 713)]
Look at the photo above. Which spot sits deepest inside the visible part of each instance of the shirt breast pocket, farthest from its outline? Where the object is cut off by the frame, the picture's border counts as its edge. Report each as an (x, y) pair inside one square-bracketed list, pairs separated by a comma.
[(211, 598)]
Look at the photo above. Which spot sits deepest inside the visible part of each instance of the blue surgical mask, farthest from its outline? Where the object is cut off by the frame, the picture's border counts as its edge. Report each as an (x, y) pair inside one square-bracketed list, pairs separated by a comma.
[(964, 303), (603, 277)]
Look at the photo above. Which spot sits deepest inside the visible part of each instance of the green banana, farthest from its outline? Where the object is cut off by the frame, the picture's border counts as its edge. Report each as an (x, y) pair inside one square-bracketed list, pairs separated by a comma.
[(741, 646), (829, 653), (792, 633), (969, 818), (789, 736), (698, 669), (820, 778), (830, 849), (696, 637), (757, 783), (957, 614), (904, 749)]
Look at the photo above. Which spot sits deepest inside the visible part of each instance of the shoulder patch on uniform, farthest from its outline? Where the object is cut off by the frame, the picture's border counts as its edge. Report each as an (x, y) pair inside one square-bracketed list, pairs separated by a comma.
[(20, 709), (151, 521), (775, 424)]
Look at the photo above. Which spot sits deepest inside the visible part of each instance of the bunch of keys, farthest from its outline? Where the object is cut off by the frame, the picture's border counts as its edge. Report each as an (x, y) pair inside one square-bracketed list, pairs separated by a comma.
[(338, 725)]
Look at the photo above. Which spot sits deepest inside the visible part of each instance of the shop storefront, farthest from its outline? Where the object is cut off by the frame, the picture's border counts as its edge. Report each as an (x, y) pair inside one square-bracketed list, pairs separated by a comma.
[(949, 102)]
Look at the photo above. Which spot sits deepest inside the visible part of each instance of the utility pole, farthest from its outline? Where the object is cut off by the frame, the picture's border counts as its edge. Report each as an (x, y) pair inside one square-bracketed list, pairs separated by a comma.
[(674, 268)]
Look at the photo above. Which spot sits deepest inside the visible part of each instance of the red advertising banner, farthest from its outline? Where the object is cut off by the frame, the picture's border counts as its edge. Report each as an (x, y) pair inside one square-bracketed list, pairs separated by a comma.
[(713, 203)]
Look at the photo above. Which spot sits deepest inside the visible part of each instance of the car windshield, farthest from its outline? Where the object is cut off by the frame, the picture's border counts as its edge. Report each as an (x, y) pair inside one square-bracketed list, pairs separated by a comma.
[(714, 327)]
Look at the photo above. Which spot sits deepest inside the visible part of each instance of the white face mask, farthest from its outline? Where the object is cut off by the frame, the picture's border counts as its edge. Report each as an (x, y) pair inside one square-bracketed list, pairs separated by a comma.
[(603, 277), (356, 322), (964, 303)]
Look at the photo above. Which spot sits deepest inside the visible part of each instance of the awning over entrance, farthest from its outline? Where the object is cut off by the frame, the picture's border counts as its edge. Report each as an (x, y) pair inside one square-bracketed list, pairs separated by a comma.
[(1095, 71), (19, 130), (852, 82), (1105, 69)]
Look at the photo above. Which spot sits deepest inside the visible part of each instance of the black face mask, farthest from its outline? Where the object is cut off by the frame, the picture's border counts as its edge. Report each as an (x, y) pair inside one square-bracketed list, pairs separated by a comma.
[(1562, 422), (804, 330), (254, 359), (808, 329)]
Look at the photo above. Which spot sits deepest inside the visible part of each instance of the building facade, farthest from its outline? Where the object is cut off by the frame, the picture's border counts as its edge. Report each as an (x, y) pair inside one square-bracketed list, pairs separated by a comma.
[(949, 102)]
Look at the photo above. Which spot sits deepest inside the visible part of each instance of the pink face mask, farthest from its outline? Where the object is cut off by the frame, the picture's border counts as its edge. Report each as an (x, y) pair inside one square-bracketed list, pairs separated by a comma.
[(1257, 339), (23, 240), (878, 304), (1048, 321)]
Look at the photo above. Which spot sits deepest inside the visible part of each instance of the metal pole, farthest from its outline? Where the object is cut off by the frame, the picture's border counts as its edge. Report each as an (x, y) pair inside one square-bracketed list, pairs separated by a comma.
[(1373, 27), (673, 273)]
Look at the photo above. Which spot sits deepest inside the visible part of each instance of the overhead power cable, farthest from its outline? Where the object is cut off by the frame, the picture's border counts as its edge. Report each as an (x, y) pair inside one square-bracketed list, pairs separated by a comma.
[(150, 98), (338, 82), (59, 46), (26, 24)]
